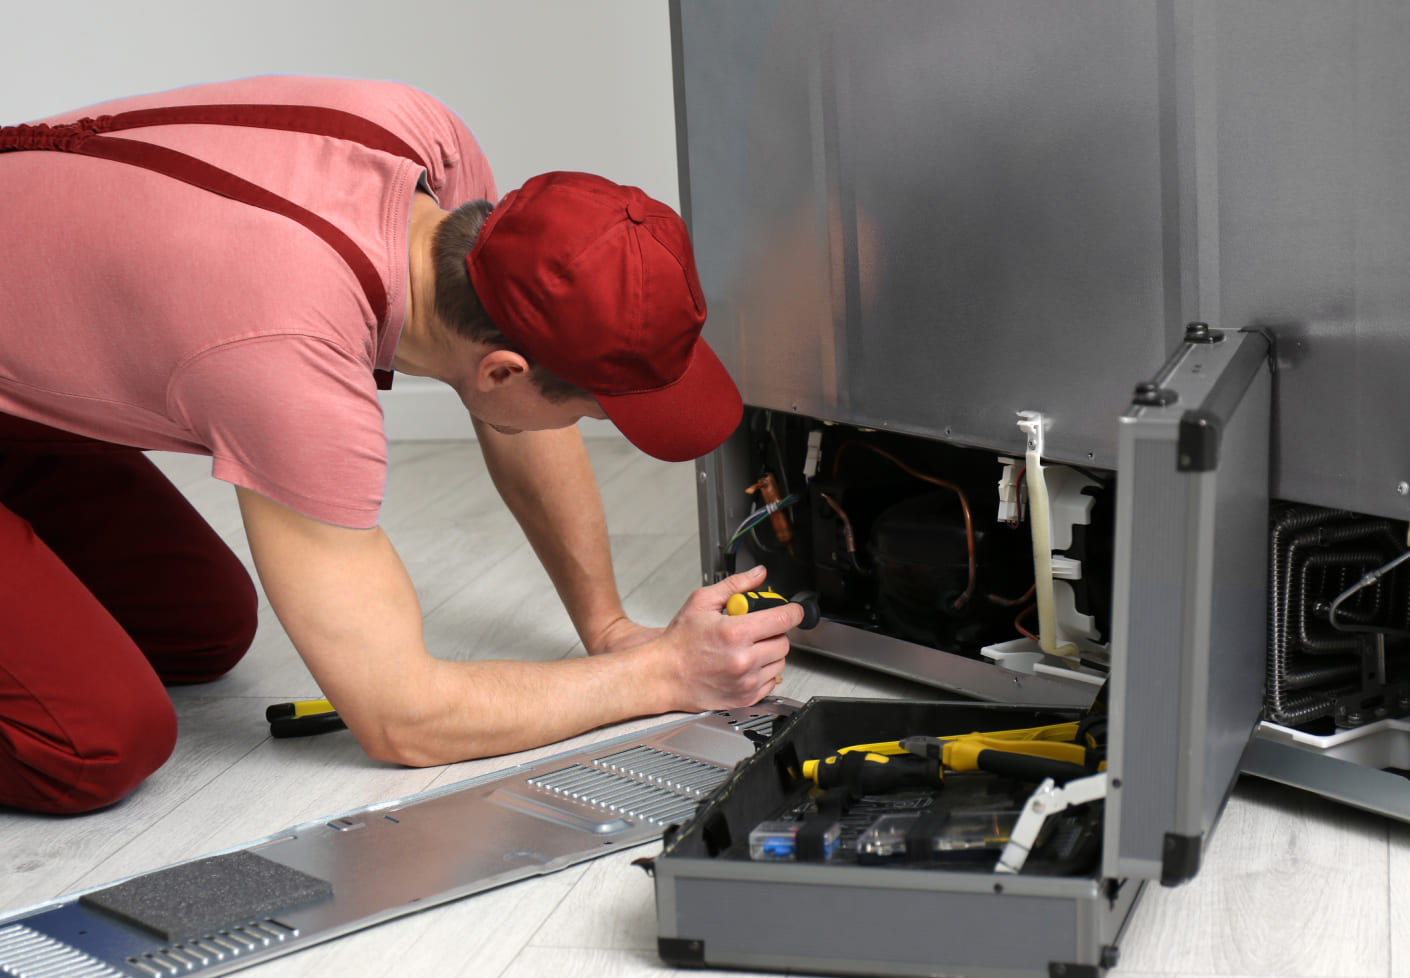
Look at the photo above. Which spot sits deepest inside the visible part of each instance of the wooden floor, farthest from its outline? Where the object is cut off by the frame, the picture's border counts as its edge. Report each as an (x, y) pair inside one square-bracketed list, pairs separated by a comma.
[(1291, 886)]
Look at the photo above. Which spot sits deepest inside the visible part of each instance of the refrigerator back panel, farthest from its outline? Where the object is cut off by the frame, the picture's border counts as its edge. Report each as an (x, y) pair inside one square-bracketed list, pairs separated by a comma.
[(926, 216)]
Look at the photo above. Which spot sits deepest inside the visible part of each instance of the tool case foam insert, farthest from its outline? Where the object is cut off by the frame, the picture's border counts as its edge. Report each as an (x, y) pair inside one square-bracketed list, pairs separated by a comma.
[(1185, 692)]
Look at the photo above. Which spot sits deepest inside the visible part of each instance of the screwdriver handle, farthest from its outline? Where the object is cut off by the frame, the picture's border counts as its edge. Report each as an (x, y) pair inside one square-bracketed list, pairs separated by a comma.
[(747, 601)]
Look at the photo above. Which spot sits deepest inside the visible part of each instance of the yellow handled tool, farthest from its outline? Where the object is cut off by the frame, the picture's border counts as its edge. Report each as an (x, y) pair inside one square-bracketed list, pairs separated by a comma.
[(1058, 751), (303, 718), (747, 601)]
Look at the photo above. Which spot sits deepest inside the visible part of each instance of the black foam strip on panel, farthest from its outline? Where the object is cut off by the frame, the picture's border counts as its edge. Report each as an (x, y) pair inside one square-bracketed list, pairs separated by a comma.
[(196, 898)]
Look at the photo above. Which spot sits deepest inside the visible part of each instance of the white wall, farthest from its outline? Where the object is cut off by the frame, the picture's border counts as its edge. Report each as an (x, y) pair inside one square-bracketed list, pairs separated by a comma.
[(544, 84)]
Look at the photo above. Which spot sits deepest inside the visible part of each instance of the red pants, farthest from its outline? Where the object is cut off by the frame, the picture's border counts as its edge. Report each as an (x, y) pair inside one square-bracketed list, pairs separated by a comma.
[(110, 586)]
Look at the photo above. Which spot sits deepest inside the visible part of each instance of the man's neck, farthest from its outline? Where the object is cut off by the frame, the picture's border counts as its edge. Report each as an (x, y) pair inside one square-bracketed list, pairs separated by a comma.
[(421, 351)]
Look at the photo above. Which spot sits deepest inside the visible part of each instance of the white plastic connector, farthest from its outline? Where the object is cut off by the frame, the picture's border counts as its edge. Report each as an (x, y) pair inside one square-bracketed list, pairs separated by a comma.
[(814, 455), (1046, 801), (1009, 511), (1066, 568)]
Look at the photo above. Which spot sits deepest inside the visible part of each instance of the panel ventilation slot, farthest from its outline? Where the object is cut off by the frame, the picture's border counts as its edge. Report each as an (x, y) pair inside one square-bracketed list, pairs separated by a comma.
[(640, 782), (26, 953), (758, 724), (222, 945)]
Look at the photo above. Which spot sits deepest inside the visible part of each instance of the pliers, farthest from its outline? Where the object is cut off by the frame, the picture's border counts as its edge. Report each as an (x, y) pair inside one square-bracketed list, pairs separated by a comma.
[(1061, 751)]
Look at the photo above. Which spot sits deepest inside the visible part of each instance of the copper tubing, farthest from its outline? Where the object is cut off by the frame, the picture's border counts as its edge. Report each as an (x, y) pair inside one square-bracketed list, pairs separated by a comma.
[(1011, 602), (847, 536), (767, 487), (1018, 623)]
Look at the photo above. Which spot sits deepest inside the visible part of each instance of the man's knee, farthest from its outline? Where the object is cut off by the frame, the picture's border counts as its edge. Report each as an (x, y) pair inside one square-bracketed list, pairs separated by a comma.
[(209, 633), (90, 763)]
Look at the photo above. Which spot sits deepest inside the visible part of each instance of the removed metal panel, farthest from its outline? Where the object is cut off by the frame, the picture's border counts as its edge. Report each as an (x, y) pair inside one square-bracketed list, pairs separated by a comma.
[(398, 857)]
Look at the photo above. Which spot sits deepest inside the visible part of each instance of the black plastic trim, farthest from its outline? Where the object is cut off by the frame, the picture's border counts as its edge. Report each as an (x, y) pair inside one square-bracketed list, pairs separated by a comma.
[(1057, 969), (1197, 449), (1180, 858), (681, 951)]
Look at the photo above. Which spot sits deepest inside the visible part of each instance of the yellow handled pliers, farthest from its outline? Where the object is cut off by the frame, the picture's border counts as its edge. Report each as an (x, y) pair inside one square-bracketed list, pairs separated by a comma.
[(1060, 751)]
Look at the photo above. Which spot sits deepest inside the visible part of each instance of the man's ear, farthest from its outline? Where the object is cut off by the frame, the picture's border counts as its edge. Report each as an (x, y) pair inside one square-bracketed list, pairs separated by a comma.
[(500, 367)]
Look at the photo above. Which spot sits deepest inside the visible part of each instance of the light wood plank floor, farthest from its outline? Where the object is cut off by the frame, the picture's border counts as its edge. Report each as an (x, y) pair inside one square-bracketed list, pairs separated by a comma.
[(1291, 886)]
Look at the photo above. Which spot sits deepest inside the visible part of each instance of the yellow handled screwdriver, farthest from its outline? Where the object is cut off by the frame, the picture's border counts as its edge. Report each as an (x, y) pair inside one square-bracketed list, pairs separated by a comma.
[(302, 718), (747, 601)]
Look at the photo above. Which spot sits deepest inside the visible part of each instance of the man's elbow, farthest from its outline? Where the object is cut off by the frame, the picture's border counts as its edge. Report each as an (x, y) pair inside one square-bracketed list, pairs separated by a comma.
[(400, 740), (389, 750)]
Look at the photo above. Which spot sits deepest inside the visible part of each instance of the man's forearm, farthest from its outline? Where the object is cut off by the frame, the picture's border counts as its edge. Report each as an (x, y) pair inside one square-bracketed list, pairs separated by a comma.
[(547, 481), (345, 600), (478, 709)]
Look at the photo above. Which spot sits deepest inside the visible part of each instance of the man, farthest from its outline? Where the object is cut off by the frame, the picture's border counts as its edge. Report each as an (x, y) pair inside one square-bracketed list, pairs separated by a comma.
[(225, 279)]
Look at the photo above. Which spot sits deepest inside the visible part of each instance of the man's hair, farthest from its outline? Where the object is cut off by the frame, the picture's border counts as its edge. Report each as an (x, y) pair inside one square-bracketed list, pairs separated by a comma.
[(459, 307)]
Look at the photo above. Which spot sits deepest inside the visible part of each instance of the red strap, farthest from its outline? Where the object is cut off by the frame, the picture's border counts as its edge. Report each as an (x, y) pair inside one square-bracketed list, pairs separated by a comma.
[(84, 138), (202, 174), (314, 119)]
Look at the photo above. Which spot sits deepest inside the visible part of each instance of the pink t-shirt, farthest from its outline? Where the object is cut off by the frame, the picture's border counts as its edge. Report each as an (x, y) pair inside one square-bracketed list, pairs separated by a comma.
[(140, 310)]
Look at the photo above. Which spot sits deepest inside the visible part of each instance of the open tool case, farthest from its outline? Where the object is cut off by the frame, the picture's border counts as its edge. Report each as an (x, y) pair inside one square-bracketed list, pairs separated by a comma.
[(1181, 670)]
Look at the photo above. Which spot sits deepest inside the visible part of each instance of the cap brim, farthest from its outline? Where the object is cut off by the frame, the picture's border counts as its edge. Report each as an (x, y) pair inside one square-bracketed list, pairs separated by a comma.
[(686, 420)]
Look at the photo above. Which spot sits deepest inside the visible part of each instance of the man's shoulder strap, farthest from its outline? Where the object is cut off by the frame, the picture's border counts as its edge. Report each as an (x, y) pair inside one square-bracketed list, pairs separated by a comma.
[(88, 137)]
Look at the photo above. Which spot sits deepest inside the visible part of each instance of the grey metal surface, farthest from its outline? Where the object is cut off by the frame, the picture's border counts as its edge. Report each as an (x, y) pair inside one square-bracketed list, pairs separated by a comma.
[(1189, 597), (970, 677), (398, 857), (1350, 774), (906, 214), (924, 215), (895, 923)]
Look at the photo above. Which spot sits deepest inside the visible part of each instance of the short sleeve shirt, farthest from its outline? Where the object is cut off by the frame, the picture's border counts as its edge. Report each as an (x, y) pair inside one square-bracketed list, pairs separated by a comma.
[(140, 310)]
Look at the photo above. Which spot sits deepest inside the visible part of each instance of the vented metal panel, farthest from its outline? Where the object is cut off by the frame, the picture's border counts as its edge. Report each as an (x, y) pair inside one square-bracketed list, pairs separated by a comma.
[(405, 855), (641, 782), (26, 953), (218, 947)]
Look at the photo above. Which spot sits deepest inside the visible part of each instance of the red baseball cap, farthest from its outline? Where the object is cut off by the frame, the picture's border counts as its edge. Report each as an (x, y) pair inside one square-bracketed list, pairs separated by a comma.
[(597, 282)]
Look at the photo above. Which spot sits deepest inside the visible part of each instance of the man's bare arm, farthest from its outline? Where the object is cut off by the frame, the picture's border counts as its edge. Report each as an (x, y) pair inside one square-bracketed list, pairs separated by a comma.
[(349, 607), (546, 480)]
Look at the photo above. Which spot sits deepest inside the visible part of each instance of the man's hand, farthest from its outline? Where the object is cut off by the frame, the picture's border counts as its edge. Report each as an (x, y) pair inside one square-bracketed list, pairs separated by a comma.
[(713, 661)]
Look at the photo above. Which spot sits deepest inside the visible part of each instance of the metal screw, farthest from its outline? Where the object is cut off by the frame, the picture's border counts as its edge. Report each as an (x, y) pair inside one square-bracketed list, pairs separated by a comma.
[(1403, 488), (704, 478)]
